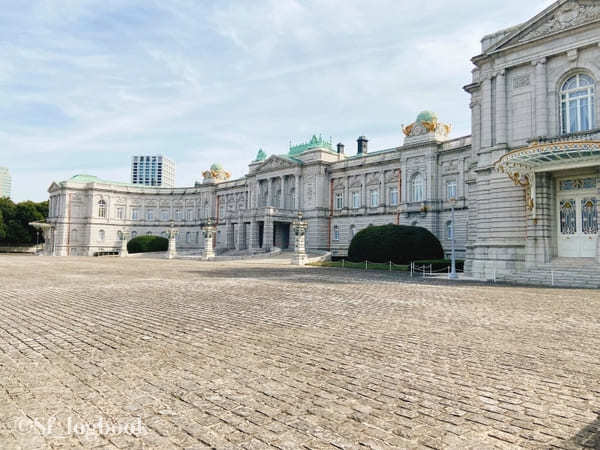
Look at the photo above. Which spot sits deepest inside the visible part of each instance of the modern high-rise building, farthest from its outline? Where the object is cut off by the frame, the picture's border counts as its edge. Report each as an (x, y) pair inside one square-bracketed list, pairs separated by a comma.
[(5, 182), (153, 170)]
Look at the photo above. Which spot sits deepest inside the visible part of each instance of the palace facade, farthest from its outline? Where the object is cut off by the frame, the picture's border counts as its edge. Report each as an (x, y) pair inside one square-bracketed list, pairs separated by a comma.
[(526, 184), (337, 193)]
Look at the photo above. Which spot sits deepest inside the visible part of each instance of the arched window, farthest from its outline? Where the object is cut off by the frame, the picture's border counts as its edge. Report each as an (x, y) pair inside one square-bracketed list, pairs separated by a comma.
[(164, 234), (149, 233), (414, 223), (336, 233), (352, 230), (120, 235), (577, 107), (101, 235), (101, 208), (416, 188), (133, 234), (188, 237)]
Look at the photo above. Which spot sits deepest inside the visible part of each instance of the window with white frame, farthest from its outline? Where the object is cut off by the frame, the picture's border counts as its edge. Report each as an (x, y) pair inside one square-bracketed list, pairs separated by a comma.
[(374, 197), (164, 214), (101, 235), (577, 106), (449, 229), (336, 233), (150, 214), (120, 212), (188, 236), (101, 208), (393, 196), (74, 236), (339, 200), (416, 188), (177, 214), (134, 214), (189, 214), (451, 190), (352, 230), (133, 234), (355, 199)]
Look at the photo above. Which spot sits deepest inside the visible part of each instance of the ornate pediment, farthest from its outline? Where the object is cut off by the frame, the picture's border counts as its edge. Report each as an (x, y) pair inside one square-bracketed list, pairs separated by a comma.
[(560, 17), (339, 183), (276, 163)]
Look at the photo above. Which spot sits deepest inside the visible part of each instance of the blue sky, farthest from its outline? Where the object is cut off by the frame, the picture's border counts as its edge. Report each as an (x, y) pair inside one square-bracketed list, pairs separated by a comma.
[(86, 84)]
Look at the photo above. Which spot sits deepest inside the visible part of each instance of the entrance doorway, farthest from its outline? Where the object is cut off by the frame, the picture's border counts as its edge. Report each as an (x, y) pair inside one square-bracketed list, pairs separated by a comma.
[(577, 217), (281, 235)]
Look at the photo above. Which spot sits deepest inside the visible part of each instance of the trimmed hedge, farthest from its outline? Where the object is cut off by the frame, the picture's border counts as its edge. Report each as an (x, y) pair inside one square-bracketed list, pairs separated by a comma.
[(438, 264), (148, 243), (400, 244)]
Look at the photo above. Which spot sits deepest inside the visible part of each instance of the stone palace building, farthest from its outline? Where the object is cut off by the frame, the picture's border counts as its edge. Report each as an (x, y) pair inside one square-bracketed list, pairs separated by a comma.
[(526, 184)]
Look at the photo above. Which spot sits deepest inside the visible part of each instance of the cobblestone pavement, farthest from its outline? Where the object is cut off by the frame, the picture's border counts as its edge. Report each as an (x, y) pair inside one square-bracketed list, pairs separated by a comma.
[(238, 355)]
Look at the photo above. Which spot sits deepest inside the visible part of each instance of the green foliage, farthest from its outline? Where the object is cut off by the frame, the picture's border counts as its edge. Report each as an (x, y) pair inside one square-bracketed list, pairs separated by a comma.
[(400, 244), (145, 244), (15, 218)]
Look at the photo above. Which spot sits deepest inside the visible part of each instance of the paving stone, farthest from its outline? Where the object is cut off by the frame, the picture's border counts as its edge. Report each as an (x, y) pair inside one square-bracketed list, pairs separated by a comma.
[(246, 355)]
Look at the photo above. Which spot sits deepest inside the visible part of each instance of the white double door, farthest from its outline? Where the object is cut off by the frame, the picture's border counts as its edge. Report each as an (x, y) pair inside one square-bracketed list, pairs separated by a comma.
[(577, 224)]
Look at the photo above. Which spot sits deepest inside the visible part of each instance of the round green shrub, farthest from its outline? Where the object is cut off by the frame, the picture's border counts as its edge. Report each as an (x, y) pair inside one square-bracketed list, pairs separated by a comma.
[(148, 243), (400, 244)]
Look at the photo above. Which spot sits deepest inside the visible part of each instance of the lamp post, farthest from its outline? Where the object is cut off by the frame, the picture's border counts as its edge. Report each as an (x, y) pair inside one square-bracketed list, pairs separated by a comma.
[(452, 275)]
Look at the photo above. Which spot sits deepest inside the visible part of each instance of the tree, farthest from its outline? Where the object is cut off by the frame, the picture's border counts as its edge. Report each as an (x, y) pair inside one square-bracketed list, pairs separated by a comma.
[(15, 219)]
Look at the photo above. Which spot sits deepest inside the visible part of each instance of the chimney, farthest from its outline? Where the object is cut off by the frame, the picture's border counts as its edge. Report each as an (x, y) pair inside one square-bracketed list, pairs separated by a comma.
[(362, 145), (340, 149)]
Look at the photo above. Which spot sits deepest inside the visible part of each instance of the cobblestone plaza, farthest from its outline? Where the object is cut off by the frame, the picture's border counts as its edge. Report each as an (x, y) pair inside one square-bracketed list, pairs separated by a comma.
[(257, 355)]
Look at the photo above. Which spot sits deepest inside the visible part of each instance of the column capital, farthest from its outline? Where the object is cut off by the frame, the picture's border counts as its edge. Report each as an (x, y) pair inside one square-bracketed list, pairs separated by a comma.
[(538, 62), (500, 73)]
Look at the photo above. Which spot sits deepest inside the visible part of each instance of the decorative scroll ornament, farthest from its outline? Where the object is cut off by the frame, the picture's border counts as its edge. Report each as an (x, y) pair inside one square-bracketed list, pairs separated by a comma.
[(215, 174), (426, 123)]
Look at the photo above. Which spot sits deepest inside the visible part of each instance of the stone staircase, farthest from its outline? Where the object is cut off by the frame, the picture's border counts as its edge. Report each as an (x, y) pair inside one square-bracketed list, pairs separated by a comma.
[(561, 272)]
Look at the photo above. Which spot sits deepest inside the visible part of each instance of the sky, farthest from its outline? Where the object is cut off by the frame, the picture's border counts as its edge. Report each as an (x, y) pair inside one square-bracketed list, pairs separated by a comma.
[(86, 84)]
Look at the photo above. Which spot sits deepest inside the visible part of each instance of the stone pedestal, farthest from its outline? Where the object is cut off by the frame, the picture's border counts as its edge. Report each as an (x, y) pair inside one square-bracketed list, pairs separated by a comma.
[(208, 232), (300, 258), (172, 235), (123, 252)]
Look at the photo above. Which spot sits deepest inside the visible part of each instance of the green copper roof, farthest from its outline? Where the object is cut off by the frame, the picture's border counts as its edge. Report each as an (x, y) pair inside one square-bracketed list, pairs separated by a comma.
[(426, 116), (216, 166), (83, 178), (261, 155), (315, 142)]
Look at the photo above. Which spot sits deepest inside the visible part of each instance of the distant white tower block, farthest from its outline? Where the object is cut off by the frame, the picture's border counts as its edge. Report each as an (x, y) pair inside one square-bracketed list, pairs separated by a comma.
[(299, 227), (5, 182), (208, 233), (152, 170)]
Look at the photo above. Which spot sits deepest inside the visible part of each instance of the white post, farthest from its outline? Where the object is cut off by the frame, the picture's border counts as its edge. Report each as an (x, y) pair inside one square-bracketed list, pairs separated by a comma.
[(452, 274), (299, 227), (172, 251), (123, 253), (208, 231)]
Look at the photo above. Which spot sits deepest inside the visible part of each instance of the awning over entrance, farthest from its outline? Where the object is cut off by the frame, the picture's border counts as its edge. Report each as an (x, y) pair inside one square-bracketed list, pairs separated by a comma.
[(521, 165)]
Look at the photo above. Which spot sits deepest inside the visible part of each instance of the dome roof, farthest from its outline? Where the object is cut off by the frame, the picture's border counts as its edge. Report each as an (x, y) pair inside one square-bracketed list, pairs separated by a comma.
[(216, 167), (426, 116)]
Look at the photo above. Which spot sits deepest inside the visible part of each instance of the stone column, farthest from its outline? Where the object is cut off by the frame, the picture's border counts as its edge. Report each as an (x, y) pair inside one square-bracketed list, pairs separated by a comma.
[(501, 112), (347, 192), (541, 103), (123, 252), (172, 233), (241, 234), (282, 195), (382, 199), (270, 193), (254, 234), (299, 227), (363, 191), (229, 238), (297, 192), (208, 232), (486, 112), (268, 233)]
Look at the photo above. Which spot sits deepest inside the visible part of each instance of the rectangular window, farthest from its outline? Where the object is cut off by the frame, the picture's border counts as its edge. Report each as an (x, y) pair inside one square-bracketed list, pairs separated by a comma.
[(120, 213), (150, 215), (177, 214), (190, 214), (451, 190), (336, 233), (134, 214), (339, 200), (393, 196), (374, 195), (164, 214), (355, 200)]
